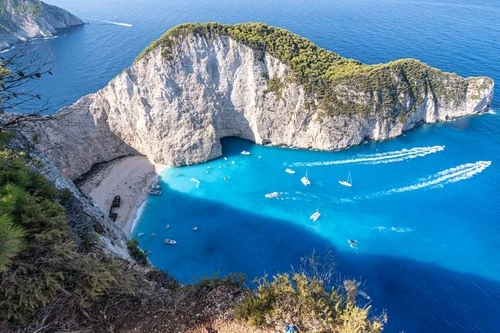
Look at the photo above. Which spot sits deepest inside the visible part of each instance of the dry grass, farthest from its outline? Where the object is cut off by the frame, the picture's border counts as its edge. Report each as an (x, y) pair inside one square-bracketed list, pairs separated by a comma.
[(224, 326)]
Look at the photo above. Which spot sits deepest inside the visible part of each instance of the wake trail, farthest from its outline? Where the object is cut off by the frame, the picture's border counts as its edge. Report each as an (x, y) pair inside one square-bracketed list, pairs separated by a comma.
[(379, 158), (448, 176), (111, 22)]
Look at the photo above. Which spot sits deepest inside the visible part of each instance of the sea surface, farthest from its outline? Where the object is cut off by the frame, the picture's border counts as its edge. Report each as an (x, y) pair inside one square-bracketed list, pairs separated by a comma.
[(424, 209)]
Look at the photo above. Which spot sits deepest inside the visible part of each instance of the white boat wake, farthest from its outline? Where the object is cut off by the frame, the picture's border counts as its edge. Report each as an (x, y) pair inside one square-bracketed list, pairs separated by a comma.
[(379, 158), (448, 176), (111, 22)]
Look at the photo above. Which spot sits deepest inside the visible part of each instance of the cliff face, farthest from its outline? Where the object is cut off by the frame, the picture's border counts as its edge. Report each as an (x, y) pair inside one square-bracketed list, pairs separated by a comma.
[(175, 106), (21, 20)]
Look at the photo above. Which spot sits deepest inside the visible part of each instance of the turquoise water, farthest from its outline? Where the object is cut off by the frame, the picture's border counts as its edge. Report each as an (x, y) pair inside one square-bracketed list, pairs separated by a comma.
[(423, 208)]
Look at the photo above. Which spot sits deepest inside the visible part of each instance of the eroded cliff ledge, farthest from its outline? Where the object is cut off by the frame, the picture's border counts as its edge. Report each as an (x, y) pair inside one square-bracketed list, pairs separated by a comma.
[(22, 20), (201, 82)]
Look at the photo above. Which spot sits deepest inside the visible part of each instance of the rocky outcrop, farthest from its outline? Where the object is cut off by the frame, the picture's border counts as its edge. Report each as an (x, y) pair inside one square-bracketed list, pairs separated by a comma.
[(177, 101), (22, 20)]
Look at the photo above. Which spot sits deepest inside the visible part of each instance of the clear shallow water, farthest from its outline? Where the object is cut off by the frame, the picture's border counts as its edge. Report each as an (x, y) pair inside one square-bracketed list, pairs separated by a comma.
[(427, 227)]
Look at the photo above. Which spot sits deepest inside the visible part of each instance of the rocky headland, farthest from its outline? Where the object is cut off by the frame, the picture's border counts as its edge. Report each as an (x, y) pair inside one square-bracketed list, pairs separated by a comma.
[(22, 20), (201, 82)]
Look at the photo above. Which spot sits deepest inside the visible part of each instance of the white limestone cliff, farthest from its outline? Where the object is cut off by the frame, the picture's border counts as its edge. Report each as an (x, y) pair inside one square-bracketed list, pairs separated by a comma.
[(175, 109), (21, 21)]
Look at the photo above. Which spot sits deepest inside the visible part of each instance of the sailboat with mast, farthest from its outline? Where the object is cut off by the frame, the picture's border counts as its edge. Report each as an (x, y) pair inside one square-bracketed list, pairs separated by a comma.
[(347, 182), (305, 180)]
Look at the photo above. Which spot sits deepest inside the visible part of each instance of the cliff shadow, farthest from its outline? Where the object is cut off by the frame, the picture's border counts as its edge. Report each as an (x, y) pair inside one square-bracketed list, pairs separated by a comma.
[(418, 296)]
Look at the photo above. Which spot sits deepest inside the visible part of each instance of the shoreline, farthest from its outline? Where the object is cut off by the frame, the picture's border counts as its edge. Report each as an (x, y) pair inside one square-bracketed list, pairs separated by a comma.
[(130, 178)]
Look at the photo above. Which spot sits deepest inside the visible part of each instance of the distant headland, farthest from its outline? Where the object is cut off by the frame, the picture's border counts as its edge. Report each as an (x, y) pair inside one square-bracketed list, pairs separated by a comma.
[(21, 21)]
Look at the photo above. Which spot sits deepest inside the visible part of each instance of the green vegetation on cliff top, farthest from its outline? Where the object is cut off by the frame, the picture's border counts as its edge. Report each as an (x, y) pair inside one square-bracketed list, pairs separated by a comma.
[(396, 88)]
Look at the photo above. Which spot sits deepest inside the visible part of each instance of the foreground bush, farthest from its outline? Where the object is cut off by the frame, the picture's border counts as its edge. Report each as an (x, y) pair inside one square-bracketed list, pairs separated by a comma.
[(300, 299)]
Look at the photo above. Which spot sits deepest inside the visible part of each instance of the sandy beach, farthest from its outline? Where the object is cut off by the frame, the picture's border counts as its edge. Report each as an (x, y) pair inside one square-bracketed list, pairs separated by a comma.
[(130, 178)]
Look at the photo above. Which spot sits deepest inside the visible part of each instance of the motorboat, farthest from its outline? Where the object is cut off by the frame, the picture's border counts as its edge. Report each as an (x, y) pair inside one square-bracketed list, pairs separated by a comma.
[(315, 216), (272, 195), (194, 228), (170, 241), (353, 243), (140, 234), (290, 171), (167, 226), (244, 152)]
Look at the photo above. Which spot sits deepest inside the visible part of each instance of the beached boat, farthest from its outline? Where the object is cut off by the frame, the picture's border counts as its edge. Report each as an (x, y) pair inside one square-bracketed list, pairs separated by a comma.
[(154, 192), (244, 152), (315, 216), (290, 171), (272, 195), (169, 241), (305, 180), (347, 182)]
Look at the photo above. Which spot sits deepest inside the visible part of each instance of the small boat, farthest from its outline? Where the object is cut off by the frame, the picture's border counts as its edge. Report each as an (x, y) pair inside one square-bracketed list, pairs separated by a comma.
[(290, 171), (272, 195), (156, 186), (315, 216), (244, 152), (116, 201), (353, 243), (364, 295), (169, 241), (194, 228), (140, 234), (147, 252), (232, 162), (152, 235), (167, 226), (260, 156), (347, 182), (305, 180), (154, 192), (225, 158), (227, 178)]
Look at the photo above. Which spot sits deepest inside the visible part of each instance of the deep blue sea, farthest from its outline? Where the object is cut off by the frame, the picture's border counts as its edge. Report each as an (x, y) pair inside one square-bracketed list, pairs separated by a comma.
[(424, 208)]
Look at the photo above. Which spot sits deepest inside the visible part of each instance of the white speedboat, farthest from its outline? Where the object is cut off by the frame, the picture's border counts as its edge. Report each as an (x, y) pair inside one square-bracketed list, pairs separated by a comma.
[(170, 241), (315, 216), (272, 195), (140, 234), (290, 171), (347, 182), (244, 152), (305, 180), (194, 228)]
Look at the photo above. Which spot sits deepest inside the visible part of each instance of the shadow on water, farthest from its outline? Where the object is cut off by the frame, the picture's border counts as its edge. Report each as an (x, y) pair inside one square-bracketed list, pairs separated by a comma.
[(419, 297)]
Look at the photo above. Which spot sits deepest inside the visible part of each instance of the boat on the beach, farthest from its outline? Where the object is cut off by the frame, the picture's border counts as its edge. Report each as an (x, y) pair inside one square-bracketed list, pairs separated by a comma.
[(116, 201), (290, 171), (154, 192), (347, 182), (305, 180), (315, 216), (244, 152), (169, 241), (272, 195)]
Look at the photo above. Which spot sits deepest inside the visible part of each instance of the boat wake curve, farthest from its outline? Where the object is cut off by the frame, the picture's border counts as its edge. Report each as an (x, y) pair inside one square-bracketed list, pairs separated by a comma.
[(379, 158), (111, 22), (448, 176)]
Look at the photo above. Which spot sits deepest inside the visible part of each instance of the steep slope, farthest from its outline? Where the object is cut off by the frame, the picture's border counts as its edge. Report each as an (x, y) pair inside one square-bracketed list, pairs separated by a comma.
[(202, 82), (21, 20)]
